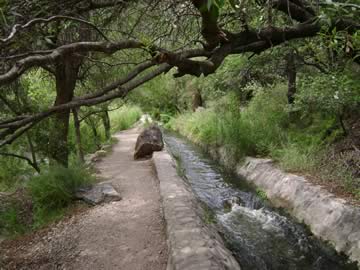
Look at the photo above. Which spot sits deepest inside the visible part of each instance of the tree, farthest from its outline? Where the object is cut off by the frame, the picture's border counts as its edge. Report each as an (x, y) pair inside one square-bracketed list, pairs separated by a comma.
[(226, 28)]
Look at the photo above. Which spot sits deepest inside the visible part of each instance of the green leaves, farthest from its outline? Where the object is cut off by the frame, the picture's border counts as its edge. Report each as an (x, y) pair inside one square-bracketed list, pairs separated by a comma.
[(217, 3)]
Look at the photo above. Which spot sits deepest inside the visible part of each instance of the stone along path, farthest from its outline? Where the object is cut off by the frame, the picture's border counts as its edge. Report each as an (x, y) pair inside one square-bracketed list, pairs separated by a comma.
[(125, 235)]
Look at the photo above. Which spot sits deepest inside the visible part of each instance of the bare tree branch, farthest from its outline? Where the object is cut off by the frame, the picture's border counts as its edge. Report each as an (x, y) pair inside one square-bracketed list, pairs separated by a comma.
[(79, 47), (18, 27), (28, 160), (20, 127)]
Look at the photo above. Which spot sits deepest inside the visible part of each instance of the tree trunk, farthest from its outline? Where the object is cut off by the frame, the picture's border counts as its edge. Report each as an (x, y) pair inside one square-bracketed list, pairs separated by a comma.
[(107, 124), (291, 75), (34, 163), (92, 125), (77, 123), (66, 75), (197, 100)]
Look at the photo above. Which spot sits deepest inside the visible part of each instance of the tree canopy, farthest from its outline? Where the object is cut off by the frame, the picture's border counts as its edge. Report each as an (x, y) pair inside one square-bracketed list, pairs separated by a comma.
[(140, 40)]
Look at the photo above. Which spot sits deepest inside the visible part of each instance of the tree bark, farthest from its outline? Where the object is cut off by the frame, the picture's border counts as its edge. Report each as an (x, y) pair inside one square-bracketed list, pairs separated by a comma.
[(34, 163), (80, 150), (107, 124), (291, 75), (92, 125), (66, 75)]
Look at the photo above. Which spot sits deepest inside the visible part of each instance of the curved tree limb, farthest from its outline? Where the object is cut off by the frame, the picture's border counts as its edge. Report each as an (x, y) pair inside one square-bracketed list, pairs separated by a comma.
[(79, 47), (28, 160), (18, 27), (20, 127)]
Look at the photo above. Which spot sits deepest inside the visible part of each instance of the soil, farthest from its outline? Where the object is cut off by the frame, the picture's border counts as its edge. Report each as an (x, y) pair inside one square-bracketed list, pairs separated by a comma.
[(127, 235)]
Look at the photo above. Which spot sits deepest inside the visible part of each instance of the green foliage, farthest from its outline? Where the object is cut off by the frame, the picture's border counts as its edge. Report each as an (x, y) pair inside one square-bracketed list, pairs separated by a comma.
[(266, 116), (261, 194), (125, 117), (209, 215), (331, 94), (217, 3), (120, 119), (11, 171), (266, 126), (10, 223), (357, 193), (159, 96), (252, 130), (54, 190), (293, 157)]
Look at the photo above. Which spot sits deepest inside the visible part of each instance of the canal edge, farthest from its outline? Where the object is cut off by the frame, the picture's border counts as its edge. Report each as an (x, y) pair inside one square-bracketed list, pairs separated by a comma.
[(192, 244)]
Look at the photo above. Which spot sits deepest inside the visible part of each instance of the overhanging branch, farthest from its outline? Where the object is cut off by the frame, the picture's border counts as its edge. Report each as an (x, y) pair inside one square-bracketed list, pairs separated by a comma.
[(18, 27), (79, 47)]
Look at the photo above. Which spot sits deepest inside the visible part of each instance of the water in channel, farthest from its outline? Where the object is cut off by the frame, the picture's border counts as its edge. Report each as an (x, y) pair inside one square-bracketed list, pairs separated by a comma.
[(261, 237)]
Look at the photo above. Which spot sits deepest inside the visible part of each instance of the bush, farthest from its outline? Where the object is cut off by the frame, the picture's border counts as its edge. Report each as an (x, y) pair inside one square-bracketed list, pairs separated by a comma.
[(331, 94), (10, 223), (265, 118), (54, 190), (293, 157), (253, 130), (125, 117), (13, 172)]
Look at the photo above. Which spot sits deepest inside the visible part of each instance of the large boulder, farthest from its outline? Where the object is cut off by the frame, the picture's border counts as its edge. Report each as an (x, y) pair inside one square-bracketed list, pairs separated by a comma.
[(149, 141)]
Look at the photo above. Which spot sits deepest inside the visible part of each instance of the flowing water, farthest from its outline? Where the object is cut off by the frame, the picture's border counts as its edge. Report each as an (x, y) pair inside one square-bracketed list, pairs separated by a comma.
[(261, 237)]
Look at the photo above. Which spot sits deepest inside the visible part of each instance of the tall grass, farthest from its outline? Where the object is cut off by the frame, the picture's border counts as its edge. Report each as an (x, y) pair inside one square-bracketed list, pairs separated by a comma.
[(265, 128), (124, 117), (54, 190), (120, 119), (10, 222), (250, 131), (45, 198)]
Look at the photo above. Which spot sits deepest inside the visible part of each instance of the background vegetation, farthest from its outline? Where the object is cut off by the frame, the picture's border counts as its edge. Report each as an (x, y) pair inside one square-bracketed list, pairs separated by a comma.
[(246, 112), (272, 78)]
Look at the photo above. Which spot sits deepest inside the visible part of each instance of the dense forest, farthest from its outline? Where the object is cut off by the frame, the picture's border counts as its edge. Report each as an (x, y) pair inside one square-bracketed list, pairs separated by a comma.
[(267, 78)]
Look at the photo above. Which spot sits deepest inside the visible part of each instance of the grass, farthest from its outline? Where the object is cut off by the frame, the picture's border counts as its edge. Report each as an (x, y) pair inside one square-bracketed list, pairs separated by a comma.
[(51, 193), (54, 190), (10, 222), (294, 158), (120, 119), (209, 215), (261, 194), (124, 117), (248, 132), (266, 128)]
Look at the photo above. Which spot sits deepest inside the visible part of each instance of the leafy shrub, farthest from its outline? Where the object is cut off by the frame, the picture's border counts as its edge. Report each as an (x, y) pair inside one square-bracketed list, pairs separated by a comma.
[(13, 171), (10, 223), (253, 130), (265, 118), (53, 190), (293, 157), (266, 127), (331, 94), (125, 117)]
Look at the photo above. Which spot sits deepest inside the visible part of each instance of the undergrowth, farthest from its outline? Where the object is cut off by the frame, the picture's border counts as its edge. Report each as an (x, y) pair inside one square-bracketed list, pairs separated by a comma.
[(124, 117), (50, 194), (54, 190), (266, 126), (10, 222)]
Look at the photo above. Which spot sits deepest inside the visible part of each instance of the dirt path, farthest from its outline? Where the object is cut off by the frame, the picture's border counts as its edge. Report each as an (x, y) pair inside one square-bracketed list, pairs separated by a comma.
[(124, 235)]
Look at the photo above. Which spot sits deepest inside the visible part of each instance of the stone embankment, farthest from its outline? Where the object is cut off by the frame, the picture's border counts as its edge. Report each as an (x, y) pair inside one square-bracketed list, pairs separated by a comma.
[(193, 244)]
